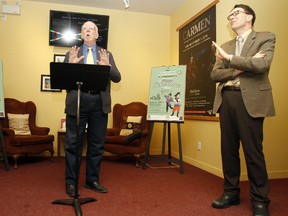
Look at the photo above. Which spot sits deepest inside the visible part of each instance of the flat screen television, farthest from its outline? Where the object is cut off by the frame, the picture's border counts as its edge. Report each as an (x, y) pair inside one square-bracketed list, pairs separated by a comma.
[(65, 28)]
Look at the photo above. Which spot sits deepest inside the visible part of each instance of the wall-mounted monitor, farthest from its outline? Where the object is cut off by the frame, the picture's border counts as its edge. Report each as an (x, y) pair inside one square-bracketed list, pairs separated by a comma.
[(65, 28)]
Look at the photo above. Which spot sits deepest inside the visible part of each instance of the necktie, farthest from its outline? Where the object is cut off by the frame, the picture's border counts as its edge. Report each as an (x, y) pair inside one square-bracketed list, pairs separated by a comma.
[(239, 45), (90, 58)]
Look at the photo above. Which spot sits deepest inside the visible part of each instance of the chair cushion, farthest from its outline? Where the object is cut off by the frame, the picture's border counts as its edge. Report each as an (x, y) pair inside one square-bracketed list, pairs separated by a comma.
[(131, 124), (131, 130), (23, 140), (19, 123), (116, 139), (123, 140), (133, 136)]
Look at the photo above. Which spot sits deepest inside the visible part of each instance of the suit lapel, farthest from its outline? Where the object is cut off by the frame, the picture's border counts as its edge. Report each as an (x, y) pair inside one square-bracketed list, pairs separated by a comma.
[(248, 43), (97, 54), (80, 53), (231, 47)]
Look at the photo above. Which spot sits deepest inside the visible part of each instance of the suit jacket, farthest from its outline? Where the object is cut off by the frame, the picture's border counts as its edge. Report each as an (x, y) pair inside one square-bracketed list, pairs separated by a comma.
[(71, 97), (255, 86)]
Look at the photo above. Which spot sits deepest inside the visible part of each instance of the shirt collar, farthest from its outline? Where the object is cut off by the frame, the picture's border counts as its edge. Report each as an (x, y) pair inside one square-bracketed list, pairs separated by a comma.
[(245, 34), (85, 48)]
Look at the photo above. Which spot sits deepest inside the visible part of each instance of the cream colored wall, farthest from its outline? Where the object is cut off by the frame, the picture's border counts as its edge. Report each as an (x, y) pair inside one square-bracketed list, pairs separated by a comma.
[(138, 42), (270, 17)]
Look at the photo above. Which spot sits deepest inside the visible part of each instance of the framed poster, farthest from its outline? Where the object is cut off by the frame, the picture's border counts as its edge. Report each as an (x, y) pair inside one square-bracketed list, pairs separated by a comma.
[(196, 51), (167, 94)]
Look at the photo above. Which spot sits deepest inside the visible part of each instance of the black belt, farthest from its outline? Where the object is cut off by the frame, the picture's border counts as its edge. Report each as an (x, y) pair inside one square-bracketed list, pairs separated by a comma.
[(231, 88), (92, 92)]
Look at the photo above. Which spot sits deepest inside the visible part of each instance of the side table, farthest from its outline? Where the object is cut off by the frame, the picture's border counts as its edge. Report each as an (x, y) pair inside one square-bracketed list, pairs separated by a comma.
[(61, 134)]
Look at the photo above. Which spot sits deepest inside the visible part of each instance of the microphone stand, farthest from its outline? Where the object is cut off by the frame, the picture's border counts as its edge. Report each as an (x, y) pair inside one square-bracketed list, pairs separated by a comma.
[(76, 201)]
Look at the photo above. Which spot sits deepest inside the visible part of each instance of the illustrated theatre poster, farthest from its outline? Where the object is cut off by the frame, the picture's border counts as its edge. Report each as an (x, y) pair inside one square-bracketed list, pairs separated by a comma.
[(167, 94)]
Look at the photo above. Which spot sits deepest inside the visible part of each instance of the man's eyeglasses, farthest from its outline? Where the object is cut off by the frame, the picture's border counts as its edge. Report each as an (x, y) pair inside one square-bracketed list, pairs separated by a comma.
[(235, 13), (90, 29)]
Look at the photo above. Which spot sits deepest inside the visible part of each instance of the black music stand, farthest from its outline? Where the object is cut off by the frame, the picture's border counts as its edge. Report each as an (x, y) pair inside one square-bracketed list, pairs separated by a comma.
[(78, 77)]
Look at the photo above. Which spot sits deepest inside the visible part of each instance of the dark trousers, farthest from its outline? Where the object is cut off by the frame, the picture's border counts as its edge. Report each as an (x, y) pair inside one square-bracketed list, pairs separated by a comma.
[(237, 125), (91, 114)]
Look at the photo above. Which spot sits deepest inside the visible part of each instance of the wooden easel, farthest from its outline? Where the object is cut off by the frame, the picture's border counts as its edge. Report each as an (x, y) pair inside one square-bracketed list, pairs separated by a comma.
[(171, 162)]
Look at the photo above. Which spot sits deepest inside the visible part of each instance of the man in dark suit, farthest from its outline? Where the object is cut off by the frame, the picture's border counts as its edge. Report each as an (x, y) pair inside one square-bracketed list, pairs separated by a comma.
[(244, 99), (94, 109)]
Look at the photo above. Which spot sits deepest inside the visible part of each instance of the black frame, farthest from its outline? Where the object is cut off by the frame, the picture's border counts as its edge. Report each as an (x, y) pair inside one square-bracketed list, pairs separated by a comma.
[(46, 84), (59, 57), (63, 21)]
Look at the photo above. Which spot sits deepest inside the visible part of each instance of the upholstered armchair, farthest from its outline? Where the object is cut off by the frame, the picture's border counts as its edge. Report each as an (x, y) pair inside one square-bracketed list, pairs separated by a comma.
[(129, 134), (21, 135)]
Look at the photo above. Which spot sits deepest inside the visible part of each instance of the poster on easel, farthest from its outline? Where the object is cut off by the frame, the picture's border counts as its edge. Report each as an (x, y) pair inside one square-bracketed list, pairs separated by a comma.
[(2, 110), (167, 94)]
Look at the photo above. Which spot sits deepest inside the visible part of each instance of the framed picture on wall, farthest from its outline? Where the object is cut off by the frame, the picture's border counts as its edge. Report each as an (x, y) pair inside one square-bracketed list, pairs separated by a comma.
[(46, 84), (63, 123), (65, 28), (59, 57)]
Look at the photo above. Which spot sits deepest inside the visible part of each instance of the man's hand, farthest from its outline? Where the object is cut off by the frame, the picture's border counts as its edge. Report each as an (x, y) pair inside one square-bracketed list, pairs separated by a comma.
[(104, 57), (260, 54), (73, 55), (221, 53), (237, 72)]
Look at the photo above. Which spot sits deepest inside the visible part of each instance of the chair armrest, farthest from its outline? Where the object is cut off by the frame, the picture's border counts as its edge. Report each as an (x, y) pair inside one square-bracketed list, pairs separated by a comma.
[(8, 132), (39, 130), (144, 133), (133, 136), (112, 132)]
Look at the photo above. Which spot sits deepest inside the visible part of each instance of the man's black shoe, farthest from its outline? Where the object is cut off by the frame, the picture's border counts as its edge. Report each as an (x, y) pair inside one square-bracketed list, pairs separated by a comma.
[(95, 186), (70, 190), (225, 201), (260, 210)]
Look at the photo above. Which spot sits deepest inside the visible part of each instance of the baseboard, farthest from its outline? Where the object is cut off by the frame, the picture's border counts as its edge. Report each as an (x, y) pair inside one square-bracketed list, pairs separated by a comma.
[(207, 167), (278, 174), (218, 172)]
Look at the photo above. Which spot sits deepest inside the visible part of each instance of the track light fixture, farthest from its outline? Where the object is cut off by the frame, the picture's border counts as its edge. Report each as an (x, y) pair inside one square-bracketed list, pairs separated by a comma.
[(126, 3)]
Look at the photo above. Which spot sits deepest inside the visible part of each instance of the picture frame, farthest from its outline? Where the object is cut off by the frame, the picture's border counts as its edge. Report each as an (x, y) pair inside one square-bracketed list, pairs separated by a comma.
[(59, 57), (62, 21), (63, 124), (46, 84)]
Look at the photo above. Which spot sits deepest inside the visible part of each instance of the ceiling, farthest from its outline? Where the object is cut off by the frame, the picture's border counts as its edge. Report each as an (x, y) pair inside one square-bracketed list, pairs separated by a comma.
[(160, 7)]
